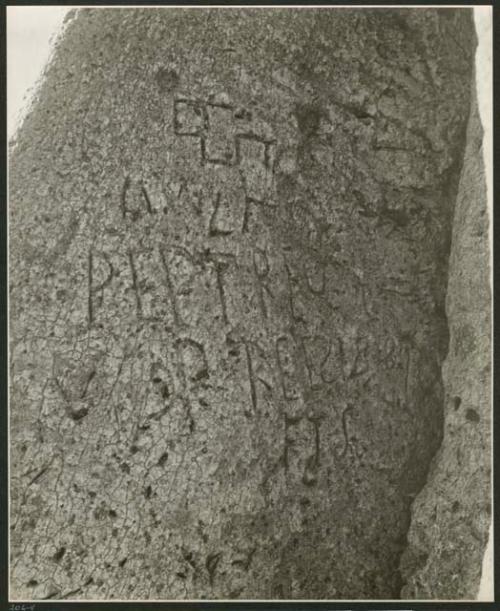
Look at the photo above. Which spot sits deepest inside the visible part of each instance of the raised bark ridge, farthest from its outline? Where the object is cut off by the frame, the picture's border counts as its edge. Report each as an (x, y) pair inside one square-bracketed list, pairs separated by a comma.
[(452, 514), (229, 235)]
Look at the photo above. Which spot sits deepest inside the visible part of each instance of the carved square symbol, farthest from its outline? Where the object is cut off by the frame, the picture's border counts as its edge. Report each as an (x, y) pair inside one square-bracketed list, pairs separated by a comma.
[(189, 118), (219, 145), (255, 157)]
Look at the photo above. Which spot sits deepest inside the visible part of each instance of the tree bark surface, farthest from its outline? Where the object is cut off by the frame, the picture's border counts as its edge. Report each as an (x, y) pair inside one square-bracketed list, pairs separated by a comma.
[(229, 241), (452, 514)]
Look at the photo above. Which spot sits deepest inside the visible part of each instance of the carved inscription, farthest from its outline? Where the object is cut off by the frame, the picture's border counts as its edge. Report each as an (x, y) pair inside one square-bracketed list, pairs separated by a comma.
[(331, 366), (251, 379), (193, 360), (255, 156), (141, 199), (261, 269), (222, 221), (312, 464), (259, 375), (301, 449), (223, 142), (346, 411), (74, 376), (356, 346), (285, 352), (190, 118), (152, 295), (219, 143), (162, 381), (315, 274), (297, 306), (181, 271), (100, 274), (317, 351), (222, 263)]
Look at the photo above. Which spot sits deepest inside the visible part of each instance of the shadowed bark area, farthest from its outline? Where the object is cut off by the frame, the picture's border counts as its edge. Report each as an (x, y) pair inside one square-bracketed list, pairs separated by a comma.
[(229, 240), (452, 514)]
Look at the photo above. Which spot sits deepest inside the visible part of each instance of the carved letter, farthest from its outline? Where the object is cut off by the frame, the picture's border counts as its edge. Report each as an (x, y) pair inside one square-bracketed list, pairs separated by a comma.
[(192, 360), (261, 267), (286, 364), (219, 146), (99, 279), (256, 159)]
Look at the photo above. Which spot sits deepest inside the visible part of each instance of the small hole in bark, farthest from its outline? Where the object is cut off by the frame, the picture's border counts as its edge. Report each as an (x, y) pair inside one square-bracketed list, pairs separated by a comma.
[(472, 416), (165, 392), (32, 583), (167, 79), (59, 554), (242, 113), (148, 492), (163, 459), (308, 119), (78, 414), (457, 402), (455, 506), (200, 375), (122, 562)]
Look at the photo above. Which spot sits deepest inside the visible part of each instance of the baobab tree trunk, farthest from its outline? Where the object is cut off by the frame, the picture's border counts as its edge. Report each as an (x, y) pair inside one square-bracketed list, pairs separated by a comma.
[(229, 240)]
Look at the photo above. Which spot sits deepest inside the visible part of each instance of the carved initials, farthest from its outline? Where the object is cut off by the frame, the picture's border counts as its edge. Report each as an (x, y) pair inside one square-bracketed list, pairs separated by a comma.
[(193, 360), (256, 159), (189, 117), (255, 375), (297, 306), (286, 365), (180, 273), (331, 367), (261, 268), (315, 276), (220, 221), (96, 286), (219, 144), (140, 193), (151, 296), (316, 350), (213, 125), (221, 263)]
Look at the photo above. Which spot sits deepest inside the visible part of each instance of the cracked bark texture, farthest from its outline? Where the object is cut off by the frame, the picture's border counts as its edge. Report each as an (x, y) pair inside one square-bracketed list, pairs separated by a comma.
[(229, 240), (452, 514)]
